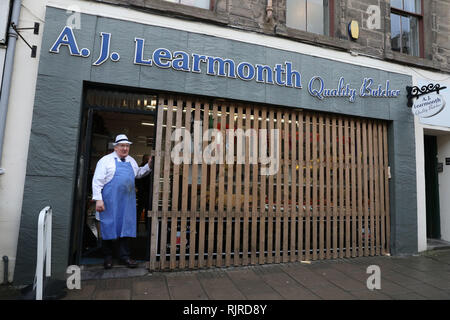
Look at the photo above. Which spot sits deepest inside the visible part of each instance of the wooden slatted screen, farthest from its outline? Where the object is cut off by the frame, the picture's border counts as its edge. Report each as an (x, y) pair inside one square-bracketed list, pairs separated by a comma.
[(329, 197)]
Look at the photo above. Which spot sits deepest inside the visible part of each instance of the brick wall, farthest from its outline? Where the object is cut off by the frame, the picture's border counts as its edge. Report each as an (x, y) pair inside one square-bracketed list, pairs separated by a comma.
[(374, 40)]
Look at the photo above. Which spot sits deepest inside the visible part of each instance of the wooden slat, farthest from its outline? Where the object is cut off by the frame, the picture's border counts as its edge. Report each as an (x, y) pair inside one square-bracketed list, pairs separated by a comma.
[(371, 191), (220, 202), (245, 230), (186, 165), (321, 207), (335, 152), (308, 187), (365, 168), (315, 187), (353, 186), (194, 183), (196, 162), (262, 195), (341, 188), (376, 232), (167, 149), (238, 194), (183, 239), (271, 197), (359, 171), (173, 239), (279, 200), (230, 166), (386, 189), (212, 195), (163, 241), (294, 182), (156, 184), (301, 179), (285, 185), (203, 195), (153, 239), (347, 189), (176, 167), (328, 211), (255, 175)]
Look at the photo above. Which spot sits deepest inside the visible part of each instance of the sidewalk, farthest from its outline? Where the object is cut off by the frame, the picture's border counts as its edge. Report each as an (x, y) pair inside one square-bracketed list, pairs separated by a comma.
[(424, 276)]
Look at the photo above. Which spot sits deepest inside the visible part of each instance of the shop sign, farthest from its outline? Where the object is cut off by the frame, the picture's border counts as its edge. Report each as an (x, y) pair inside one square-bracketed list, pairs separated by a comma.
[(428, 100), (428, 105), (281, 74)]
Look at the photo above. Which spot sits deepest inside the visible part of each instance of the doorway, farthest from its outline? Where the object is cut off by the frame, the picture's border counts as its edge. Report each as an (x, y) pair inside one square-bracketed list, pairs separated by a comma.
[(107, 114), (432, 188)]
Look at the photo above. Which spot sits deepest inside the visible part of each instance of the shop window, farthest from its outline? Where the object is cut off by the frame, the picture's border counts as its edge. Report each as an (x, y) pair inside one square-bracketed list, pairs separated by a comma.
[(407, 27), (309, 15), (204, 4)]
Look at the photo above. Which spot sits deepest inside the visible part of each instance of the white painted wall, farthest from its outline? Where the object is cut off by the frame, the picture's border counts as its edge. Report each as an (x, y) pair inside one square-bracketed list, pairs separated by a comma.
[(17, 134), (443, 143), (420, 77), (20, 108)]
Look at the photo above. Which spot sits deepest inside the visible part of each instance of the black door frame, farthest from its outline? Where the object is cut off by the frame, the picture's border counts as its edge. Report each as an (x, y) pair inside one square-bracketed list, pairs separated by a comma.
[(79, 209)]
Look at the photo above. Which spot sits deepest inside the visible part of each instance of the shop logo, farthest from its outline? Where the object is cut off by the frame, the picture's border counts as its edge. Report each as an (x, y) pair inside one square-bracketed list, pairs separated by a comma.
[(428, 105), (222, 148)]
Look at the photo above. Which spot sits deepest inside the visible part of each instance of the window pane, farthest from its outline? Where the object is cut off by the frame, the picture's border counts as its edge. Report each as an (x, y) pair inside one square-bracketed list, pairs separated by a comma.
[(395, 32), (412, 6), (296, 14), (410, 36), (397, 4), (197, 3), (314, 16)]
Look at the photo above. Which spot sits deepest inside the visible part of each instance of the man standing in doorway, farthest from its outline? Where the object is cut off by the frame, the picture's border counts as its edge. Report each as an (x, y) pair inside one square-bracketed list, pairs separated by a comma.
[(114, 191)]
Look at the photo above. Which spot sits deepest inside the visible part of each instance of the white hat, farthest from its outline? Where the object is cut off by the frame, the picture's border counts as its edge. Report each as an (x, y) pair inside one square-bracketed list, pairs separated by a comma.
[(121, 138)]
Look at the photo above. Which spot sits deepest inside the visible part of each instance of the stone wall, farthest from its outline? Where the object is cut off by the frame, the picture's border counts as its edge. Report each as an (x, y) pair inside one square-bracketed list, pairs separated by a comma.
[(251, 15)]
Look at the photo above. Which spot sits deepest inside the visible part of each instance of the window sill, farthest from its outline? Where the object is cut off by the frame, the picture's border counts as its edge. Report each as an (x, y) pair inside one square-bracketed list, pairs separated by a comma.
[(312, 38), (412, 60), (171, 9)]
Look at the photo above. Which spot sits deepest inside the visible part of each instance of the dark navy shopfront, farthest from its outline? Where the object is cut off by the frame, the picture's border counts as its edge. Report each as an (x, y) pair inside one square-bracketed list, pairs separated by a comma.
[(123, 75)]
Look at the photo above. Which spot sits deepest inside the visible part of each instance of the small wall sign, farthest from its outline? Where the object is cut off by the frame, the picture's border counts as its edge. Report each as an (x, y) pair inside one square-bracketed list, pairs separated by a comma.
[(447, 161), (428, 105)]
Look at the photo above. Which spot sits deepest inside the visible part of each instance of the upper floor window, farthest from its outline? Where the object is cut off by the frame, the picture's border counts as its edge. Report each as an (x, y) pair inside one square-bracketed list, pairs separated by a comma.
[(407, 27), (308, 15), (205, 4)]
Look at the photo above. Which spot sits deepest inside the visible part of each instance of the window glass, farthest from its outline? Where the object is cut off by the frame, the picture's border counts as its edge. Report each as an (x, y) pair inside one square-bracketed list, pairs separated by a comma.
[(395, 32), (296, 14), (411, 5), (308, 15), (410, 28), (397, 4), (314, 12), (195, 3)]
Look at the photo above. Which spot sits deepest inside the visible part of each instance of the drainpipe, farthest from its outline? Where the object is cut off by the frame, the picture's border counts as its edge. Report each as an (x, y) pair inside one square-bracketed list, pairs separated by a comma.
[(269, 10), (7, 75), (5, 270)]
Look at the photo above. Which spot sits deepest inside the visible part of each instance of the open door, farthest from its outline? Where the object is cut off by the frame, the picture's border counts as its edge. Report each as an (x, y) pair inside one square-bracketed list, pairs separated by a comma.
[(105, 115), (432, 188)]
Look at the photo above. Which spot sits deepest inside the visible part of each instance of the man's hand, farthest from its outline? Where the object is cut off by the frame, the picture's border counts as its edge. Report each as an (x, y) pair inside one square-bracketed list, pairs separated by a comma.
[(99, 206)]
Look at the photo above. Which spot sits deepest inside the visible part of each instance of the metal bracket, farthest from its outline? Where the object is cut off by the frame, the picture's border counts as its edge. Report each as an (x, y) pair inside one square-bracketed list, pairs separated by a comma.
[(415, 92), (35, 31)]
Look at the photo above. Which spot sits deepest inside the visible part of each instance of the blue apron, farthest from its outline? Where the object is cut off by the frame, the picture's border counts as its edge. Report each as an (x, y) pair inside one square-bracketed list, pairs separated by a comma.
[(119, 196)]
